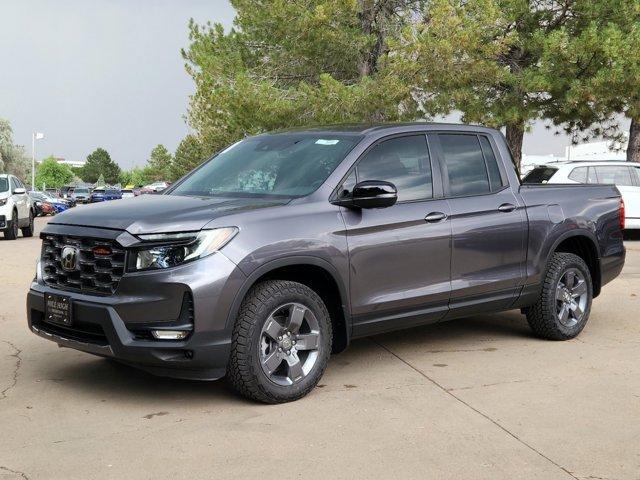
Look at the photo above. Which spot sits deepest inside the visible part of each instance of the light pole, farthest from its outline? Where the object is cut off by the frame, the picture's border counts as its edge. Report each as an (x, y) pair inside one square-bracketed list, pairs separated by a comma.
[(34, 136)]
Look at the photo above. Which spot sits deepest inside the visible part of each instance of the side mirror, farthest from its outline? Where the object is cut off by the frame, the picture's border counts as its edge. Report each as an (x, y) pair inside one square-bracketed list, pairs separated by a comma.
[(19, 191), (371, 194)]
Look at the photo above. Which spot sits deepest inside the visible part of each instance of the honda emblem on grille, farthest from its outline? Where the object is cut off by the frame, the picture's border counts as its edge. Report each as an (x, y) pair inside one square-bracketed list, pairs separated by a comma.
[(69, 258)]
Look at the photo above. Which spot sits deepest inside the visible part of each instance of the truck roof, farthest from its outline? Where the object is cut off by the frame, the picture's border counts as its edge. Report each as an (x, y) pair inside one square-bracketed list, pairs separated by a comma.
[(370, 128)]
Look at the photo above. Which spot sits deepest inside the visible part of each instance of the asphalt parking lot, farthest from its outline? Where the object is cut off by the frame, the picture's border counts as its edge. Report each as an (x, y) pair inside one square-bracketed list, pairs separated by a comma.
[(478, 398)]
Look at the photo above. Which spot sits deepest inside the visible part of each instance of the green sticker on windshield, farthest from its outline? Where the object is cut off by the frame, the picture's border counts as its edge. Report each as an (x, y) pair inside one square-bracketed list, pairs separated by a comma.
[(326, 142)]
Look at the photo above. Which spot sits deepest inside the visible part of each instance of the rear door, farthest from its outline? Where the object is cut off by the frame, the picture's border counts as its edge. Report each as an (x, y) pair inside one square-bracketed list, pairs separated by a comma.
[(488, 224), (400, 255)]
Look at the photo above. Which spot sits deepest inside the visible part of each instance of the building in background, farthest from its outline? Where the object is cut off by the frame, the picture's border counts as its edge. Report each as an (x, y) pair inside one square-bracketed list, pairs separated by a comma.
[(70, 163)]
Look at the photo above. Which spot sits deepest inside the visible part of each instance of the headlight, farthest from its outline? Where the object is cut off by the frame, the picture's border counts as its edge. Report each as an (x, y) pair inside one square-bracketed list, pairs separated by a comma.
[(174, 249)]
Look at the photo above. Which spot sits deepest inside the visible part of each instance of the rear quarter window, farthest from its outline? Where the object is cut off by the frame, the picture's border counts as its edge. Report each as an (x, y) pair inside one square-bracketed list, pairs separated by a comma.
[(579, 175)]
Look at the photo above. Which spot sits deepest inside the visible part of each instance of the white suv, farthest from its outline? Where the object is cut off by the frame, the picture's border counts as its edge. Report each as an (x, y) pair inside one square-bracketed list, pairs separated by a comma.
[(624, 175), (16, 209)]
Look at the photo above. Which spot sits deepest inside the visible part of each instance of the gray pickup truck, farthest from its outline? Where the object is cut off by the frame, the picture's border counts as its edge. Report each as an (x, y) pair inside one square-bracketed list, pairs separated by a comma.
[(285, 246)]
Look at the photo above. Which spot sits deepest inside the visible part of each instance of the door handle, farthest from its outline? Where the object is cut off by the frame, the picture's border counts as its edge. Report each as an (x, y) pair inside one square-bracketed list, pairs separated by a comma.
[(435, 217), (507, 207)]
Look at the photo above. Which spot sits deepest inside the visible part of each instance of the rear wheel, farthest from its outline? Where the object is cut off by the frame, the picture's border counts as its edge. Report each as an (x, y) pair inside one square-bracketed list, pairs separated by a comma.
[(28, 230), (281, 342), (564, 304), (11, 233)]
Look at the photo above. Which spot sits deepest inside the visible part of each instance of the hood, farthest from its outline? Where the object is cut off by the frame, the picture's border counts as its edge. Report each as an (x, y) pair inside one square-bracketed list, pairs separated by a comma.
[(160, 213)]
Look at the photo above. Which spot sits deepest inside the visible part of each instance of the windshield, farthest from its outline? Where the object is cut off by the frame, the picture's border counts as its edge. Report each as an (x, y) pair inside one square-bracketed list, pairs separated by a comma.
[(80, 190), (4, 184), (290, 165)]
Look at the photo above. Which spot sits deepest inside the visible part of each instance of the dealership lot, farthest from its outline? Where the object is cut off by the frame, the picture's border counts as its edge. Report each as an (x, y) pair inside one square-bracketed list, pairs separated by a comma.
[(475, 398)]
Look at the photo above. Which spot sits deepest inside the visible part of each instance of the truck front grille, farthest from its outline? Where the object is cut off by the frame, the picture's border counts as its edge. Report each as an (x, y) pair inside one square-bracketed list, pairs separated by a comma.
[(98, 267)]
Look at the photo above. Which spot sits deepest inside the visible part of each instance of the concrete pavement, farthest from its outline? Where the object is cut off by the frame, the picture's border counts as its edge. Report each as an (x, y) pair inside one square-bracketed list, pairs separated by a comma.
[(478, 398)]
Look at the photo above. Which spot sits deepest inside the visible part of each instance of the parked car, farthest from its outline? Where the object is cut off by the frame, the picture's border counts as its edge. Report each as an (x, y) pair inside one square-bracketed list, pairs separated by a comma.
[(156, 187), (45, 208), (286, 246), (102, 195), (37, 199), (624, 175), (81, 194), (55, 204), (128, 193), (16, 209)]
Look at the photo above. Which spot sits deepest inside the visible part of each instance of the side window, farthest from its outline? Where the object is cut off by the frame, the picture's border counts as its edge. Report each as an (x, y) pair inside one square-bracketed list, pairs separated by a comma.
[(466, 168), (616, 175), (14, 184), (636, 172), (403, 161), (579, 175), (591, 175), (495, 179)]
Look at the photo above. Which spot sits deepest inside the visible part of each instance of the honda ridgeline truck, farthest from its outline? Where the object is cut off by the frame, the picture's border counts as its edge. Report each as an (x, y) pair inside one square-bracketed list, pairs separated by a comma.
[(283, 247)]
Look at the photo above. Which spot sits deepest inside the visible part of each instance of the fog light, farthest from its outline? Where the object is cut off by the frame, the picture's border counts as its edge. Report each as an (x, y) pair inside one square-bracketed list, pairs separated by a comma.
[(169, 334)]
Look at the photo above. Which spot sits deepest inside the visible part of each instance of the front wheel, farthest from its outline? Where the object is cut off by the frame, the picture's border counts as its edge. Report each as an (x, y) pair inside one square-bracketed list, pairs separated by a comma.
[(11, 233), (281, 342), (564, 304)]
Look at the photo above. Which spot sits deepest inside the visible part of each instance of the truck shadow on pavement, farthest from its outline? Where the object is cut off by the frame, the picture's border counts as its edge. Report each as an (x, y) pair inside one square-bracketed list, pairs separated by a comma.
[(107, 380)]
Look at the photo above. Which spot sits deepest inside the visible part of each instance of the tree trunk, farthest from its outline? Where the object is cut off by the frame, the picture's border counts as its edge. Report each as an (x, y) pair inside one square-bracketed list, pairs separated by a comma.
[(633, 150), (515, 135)]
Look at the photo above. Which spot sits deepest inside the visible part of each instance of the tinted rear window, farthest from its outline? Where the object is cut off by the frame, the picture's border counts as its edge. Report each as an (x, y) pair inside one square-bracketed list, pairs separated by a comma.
[(466, 168), (539, 175)]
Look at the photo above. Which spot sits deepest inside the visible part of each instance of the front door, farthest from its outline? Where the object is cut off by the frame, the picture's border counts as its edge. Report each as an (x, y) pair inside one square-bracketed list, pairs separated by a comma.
[(399, 256), (488, 225)]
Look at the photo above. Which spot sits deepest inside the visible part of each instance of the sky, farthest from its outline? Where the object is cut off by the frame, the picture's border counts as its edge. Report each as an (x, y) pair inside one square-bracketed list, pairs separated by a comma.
[(108, 73)]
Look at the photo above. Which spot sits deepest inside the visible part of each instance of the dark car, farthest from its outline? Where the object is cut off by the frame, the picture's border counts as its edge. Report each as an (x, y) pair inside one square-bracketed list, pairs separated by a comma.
[(284, 247), (47, 204), (102, 195)]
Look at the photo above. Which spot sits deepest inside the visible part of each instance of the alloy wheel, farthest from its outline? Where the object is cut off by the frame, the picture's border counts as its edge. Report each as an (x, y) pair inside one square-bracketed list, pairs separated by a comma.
[(571, 297), (289, 344)]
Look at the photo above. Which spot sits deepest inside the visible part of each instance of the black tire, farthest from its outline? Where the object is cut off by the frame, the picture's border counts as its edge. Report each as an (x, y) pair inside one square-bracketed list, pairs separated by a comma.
[(28, 230), (543, 316), (245, 371), (11, 233)]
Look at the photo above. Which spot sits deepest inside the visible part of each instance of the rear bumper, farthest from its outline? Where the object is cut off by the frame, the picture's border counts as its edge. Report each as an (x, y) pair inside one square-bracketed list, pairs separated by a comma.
[(632, 223)]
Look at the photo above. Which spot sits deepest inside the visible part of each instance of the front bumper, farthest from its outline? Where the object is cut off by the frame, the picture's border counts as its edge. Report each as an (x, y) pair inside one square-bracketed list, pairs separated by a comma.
[(5, 216), (114, 326)]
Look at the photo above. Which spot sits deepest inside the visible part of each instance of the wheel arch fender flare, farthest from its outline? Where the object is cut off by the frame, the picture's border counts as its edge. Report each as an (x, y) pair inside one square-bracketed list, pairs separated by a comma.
[(295, 260), (581, 232)]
